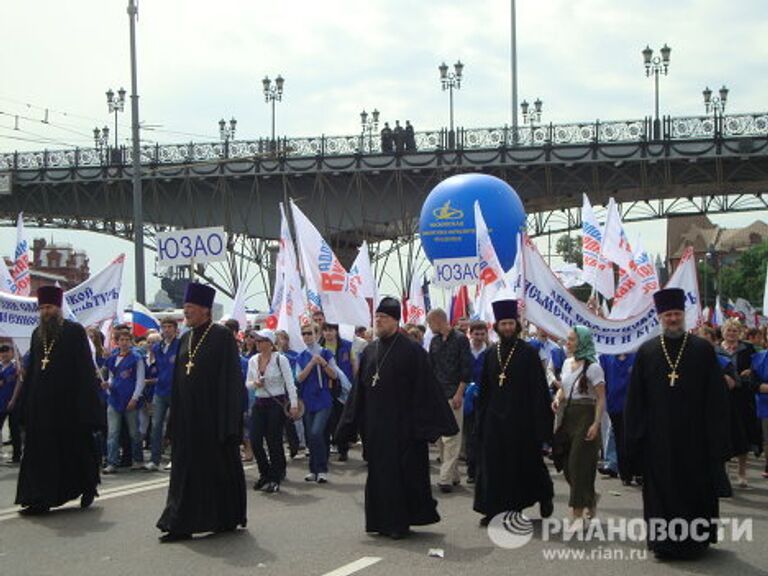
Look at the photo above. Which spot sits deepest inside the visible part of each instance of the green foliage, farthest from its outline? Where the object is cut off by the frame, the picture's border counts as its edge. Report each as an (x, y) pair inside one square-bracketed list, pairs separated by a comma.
[(746, 277), (569, 248)]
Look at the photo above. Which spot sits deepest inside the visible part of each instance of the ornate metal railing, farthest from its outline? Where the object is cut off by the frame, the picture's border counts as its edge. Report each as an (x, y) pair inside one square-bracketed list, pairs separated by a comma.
[(627, 131)]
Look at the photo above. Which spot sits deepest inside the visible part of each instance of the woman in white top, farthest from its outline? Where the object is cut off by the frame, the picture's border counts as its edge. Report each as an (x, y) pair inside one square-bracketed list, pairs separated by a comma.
[(583, 395), (270, 375)]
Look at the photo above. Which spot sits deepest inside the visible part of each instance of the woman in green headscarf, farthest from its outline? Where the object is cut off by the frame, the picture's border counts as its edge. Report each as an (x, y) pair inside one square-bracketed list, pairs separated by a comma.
[(582, 393)]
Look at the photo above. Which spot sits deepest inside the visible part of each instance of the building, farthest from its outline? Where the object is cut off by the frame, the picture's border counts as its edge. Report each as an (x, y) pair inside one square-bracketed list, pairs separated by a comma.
[(52, 263), (710, 242)]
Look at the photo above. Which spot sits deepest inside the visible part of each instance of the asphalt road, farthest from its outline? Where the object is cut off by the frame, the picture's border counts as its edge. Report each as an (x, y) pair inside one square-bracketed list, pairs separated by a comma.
[(309, 529)]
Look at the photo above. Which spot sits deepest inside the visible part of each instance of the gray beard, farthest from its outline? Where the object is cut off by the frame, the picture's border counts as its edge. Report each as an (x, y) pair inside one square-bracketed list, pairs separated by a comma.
[(674, 334)]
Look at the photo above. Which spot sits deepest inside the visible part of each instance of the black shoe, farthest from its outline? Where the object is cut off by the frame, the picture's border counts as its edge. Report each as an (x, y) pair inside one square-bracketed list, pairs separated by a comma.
[(626, 482), (87, 499), (445, 488), (485, 520), (608, 472), (456, 482), (174, 537), (34, 510), (546, 507), (260, 483), (343, 457), (470, 479), (639, 480), (399, 534)]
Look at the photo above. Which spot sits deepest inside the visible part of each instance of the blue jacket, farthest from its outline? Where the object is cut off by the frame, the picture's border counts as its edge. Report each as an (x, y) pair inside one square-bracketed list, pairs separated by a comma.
[(165, 362), (123, 379), (315, 392), (760, 375), (617, 375), (8, 377)]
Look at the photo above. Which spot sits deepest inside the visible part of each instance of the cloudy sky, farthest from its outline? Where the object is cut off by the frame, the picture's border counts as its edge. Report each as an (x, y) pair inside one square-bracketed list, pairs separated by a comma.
[(200, 61)]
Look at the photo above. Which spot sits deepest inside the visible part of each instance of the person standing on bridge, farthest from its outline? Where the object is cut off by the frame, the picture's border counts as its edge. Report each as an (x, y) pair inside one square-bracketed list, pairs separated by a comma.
[(398, 407), (676, 432), (207, 490), (60, 410)]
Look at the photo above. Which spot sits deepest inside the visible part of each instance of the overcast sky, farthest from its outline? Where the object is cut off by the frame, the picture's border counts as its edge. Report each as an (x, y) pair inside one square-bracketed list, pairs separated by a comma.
[(200, 61)]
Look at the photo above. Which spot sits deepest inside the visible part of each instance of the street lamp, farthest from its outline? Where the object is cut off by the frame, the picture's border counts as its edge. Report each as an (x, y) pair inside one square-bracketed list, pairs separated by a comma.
[(531, 117), (227, 133), (273, 93), (449, 81), (716, 105), (370, 125), (101, 138), (656, 65), (116, 103)]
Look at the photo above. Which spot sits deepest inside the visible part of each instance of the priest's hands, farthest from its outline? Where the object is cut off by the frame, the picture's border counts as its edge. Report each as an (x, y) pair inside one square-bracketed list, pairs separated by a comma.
[(592, 432)]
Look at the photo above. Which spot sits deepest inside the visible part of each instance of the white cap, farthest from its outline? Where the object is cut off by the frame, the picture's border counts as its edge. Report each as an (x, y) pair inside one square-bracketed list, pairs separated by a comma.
[(266, 335)]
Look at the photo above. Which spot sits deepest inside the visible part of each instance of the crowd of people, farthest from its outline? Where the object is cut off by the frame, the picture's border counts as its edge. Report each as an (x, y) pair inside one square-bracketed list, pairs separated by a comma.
[(673, 417)]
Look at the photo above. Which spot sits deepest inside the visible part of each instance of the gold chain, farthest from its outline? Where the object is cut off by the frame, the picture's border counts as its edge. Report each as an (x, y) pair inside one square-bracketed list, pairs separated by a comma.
[(46, 353), (673, 375), (504, 365), (193, 349)]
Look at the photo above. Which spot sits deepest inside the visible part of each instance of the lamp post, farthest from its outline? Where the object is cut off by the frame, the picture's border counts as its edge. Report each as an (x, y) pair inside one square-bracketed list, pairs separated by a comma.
[(716, 105), (370, 125), (116, 103), (531, 117), (449, 81), (227, 133), (656, 65), (101, 139), (273, 93)]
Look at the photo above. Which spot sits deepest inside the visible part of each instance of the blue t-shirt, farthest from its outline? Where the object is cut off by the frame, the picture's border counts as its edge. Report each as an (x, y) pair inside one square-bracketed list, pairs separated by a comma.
[(124, 375), (617, 375), (315, 392), (760, 370), (8, 375)]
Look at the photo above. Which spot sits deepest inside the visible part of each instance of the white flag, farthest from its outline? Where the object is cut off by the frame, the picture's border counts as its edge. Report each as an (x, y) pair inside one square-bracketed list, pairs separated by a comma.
[(20, 272), (491, 273), (238, 306), (6, 280), (615, 245), (636, 286), (368, 288), (291, 306), (339, 291), (597, 271), (718, 317), (415, 306)]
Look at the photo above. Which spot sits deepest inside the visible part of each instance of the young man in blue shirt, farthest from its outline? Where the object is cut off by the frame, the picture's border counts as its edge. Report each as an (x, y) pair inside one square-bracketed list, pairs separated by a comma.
[(164, 353), (8, 377)]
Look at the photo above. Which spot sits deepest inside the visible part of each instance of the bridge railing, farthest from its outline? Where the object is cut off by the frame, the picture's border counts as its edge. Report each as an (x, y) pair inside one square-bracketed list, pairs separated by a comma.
[(579, 133)]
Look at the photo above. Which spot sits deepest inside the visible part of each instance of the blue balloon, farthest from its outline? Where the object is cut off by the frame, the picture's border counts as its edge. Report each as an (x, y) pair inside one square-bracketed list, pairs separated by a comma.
[(447, 223)]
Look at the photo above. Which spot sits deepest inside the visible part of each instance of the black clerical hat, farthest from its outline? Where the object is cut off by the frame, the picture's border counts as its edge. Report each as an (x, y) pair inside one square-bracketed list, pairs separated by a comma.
[(504, 310), (199, 294), (669, 299), (50, 295), (389, 306)]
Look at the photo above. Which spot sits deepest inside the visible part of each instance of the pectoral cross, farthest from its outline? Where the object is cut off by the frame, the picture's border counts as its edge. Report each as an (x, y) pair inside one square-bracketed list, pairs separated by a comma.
[(375, 379), (189, 366), (502, 377), (44, 362), (672, 377)]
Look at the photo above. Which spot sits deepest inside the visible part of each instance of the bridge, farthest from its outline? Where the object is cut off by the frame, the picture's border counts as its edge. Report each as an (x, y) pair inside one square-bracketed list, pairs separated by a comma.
[(354, 192)]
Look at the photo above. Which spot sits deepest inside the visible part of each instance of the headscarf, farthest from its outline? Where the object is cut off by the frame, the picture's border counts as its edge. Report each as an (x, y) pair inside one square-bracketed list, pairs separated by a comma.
[(585, 347)]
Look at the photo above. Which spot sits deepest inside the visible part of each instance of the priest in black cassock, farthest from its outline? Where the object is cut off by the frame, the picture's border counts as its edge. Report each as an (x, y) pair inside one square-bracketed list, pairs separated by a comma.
[(207, 490), (514, 419), (60, 410), (676, 431), (398, 408)]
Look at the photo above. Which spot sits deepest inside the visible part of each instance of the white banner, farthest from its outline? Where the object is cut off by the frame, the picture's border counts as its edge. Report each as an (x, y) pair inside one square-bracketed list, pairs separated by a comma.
[(452, 272), (597, 271), (549, 305), (97, 299), (292, 307), (179, 247), (21, 274)]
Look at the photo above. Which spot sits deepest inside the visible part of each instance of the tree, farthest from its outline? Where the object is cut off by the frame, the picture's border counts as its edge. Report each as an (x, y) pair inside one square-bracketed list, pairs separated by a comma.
[(746, 277), (569, 248)]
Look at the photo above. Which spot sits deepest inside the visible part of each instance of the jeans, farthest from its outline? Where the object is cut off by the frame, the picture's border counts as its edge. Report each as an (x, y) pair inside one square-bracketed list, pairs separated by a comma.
[(15, 430), (314, 428), (611, 461), (267, 423), (114, 425), (160, 409)]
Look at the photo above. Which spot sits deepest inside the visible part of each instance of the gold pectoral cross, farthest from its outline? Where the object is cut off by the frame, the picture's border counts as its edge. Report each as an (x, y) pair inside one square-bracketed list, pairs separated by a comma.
[(44, 363), (189, 366), (502, 377), (673, 376), (375, 379)]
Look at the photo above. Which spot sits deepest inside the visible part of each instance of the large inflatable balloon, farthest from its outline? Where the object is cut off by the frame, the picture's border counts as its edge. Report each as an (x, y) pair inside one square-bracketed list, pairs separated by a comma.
[(447, 224)]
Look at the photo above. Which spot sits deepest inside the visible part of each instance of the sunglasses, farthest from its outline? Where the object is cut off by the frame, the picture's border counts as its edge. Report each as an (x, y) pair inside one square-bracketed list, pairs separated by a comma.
[(307, 333)]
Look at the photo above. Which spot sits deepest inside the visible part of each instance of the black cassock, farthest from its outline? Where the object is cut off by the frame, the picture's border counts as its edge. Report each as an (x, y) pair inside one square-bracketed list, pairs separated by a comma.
[(677, 436), (60, 410), (207, 490), (397, 418), (513, 422)]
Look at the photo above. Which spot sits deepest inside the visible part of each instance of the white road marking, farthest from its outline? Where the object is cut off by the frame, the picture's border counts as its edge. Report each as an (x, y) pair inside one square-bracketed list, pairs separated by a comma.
[(355, 566), (106, 494)]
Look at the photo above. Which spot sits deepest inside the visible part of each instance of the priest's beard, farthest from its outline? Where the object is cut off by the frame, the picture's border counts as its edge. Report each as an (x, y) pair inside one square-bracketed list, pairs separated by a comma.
[(50, 328), (674, 333), (507, 340)]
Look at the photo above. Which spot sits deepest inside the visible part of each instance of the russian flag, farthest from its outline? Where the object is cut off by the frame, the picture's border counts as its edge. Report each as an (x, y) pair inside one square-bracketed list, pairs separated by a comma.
[(143, 320)]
